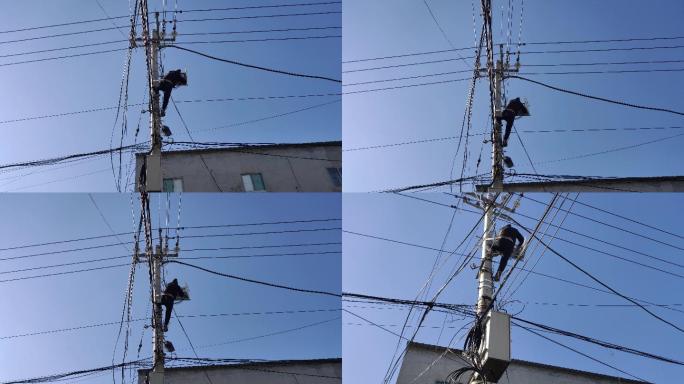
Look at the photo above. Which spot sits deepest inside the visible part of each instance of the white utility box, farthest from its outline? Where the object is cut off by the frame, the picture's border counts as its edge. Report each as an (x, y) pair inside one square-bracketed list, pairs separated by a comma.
[(495, 349)]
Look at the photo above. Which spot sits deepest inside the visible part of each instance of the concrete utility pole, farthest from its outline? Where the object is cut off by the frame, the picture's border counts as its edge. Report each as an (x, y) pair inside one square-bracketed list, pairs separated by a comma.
[(157, 374), (153, 183), (494, 348), (157, 256), (486, 285), (153, 160)]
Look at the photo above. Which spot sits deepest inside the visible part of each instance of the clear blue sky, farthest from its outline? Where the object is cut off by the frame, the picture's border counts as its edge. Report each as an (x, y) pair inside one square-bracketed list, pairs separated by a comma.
[(383, 268), (73, 300), (91, 82), (383, 28)]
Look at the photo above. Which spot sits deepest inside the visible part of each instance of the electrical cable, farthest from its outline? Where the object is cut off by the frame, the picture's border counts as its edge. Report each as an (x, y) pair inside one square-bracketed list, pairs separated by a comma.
[(596, 97), (302, 290), (654, 315), (218, 187), (282, 72)]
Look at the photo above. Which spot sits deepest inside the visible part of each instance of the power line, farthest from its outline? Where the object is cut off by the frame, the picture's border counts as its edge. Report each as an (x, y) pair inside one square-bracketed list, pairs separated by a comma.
[(184, 237), (522, 269), (576, 130), (246, 98), (437, 184), (179, 21), (108, 18), (601, 282), (583, 354), (180, 258), (617, 149), (260, 31), (526, 52), (293, 38), (279, 71), (302, 290), (186, 227), (464, 310), (611, 225), (596, 97), (55, 377), (180, 116), (423, 53), (270, 116)]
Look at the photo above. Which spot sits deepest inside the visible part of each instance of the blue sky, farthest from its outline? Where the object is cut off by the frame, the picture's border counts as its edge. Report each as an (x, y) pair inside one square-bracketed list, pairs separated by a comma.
[(72, 300), (387, 269), (91, 82), (383, 28)]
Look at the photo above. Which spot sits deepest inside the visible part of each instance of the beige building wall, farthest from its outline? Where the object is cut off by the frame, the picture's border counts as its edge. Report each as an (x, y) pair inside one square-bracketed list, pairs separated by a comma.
[(283, 168)]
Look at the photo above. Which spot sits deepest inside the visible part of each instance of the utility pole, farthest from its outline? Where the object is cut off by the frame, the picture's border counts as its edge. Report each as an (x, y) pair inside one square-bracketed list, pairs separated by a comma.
[(153, 45), (153, 183), (486, 286), (494, 349), (155, 257)]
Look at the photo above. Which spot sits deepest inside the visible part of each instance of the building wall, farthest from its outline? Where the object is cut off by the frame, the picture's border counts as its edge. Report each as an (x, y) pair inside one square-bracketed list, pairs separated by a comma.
[(519, 372), (293, 173), (324, 372)]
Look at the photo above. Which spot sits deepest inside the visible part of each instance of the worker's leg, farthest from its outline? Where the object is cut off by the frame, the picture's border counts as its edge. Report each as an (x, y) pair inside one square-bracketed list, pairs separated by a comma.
[(502, 265), (168, 304), (510, 118), (506, 249), (167, 97)]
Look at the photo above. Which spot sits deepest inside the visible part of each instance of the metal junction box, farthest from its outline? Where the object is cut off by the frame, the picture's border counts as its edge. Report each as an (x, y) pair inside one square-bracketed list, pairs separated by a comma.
[(495, 350)]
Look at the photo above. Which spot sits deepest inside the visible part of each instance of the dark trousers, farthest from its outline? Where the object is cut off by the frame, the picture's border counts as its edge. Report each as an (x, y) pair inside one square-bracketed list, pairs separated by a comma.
[(166, 87), (505, 248), (509, 117), (167, 302)]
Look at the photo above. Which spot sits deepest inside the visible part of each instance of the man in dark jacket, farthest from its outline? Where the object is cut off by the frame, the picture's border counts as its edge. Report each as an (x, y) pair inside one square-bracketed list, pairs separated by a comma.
[(169, 82), (172, 292), (514, 109), (505, 245)]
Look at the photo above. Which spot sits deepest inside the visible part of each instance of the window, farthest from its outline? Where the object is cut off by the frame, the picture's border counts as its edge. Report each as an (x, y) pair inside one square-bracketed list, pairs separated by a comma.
[(172, 185), (253, 182), (336, 176)]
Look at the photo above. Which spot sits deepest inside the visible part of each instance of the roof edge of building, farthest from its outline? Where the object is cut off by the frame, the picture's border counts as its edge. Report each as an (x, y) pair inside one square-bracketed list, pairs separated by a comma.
[(535, 364), (254, 363), (259, 146)]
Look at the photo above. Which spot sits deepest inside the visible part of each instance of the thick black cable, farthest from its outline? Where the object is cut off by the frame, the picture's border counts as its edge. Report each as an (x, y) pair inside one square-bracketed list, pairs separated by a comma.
[(464, 309), (51, 378), (256, 281), (438, 184), (70, 157), (596, 97), (601, 282), (282, 72)]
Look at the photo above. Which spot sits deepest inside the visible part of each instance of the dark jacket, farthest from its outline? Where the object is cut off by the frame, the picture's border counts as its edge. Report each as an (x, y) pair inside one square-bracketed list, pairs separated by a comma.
[(176, 78), (517, 107), (511, 233), (174, 290)]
